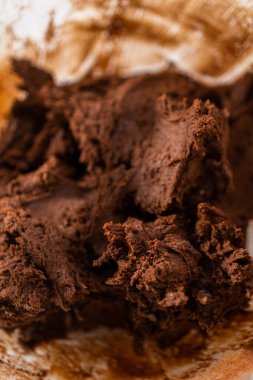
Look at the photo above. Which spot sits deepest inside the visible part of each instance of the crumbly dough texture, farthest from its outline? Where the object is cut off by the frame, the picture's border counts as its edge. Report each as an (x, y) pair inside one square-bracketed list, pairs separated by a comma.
[(106, 193)]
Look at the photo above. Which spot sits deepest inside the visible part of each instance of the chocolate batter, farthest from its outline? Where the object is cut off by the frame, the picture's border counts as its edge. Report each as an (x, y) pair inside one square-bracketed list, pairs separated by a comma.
[(106, 193)]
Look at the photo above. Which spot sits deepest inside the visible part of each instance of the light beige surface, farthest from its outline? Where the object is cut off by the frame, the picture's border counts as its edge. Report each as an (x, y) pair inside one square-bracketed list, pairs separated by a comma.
[(108, 355), (210, 39)]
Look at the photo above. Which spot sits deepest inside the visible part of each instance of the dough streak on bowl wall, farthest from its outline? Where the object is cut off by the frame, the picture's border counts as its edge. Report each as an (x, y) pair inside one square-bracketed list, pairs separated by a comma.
[(211, 40)]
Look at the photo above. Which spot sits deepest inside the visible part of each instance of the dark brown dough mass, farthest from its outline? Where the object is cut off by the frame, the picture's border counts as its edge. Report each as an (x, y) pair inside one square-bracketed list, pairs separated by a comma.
[(174, 148), (139, 157), (169, 274), (31, 279), (184, 156)]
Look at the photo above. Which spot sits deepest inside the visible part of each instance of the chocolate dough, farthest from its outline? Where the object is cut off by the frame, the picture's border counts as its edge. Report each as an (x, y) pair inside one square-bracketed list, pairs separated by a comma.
[(137, 156), (184, 157), (171, 274), (30, 277), (173, 147)]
